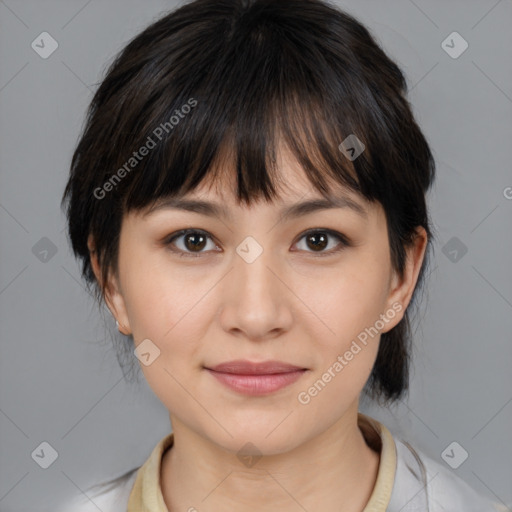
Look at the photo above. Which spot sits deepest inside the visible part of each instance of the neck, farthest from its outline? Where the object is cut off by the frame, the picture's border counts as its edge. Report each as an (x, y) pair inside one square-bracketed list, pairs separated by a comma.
[(334, 471)]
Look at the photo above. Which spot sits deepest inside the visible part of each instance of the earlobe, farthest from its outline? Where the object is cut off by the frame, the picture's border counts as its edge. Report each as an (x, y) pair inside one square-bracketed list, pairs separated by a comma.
[(116, 304), (113, 297)]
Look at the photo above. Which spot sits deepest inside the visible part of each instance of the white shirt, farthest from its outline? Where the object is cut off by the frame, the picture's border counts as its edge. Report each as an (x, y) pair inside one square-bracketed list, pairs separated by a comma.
[(407, 481)]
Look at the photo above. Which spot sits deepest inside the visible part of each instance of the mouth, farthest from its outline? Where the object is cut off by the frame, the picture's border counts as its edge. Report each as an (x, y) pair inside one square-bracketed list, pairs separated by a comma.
[(251, 378)]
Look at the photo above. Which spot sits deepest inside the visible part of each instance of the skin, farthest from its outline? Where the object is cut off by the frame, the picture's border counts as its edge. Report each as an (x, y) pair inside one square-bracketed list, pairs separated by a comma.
[(290, 304)]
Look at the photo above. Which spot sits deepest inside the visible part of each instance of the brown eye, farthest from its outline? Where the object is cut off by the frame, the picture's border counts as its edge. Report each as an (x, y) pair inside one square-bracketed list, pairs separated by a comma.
[(317, 240), (189, 242), (194, 241)]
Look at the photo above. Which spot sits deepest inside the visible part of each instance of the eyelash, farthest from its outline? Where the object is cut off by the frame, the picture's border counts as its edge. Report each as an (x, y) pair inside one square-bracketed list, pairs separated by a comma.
[(344, 241)]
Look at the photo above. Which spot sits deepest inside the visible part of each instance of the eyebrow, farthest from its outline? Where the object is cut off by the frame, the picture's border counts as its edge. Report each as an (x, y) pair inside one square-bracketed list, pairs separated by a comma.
[(213, 209)]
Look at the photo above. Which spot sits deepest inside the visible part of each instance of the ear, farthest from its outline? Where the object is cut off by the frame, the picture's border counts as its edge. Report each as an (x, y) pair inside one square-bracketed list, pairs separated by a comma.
[(113, 295), (402, 288)]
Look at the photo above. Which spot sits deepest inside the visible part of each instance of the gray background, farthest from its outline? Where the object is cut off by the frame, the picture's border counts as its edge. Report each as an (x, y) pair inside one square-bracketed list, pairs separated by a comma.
[(60, 380)]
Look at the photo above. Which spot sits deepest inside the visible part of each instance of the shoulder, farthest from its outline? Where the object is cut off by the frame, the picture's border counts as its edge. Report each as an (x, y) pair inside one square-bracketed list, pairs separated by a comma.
[(422, 483), (110, 496)]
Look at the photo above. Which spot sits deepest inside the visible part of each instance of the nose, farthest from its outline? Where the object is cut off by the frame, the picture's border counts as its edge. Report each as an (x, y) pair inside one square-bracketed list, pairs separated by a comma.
[(257, 299)]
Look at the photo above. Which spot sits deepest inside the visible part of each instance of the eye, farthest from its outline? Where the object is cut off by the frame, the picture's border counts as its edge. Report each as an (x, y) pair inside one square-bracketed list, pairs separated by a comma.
[(193, 241), (318, 240)]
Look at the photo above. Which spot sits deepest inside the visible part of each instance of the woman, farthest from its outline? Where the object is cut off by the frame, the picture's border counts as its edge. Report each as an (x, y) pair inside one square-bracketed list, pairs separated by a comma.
[(248, 198)]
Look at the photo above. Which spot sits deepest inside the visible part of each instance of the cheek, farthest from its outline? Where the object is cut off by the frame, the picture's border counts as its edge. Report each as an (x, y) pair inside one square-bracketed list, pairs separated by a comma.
[(349, 302), (151, 301), (346, 341), (346, 300), (165, 308), (169, 305), (155, 292)]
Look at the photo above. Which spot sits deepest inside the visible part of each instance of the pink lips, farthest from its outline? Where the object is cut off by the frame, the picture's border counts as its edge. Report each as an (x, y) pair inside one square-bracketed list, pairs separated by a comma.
[(256, 378)]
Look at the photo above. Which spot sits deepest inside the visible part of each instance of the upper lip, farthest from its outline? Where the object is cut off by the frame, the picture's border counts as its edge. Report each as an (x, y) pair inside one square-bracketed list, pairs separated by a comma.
[(243, 367)]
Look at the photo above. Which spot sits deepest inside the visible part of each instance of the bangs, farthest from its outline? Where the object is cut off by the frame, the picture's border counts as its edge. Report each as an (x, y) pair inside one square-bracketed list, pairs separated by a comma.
[(256, 92), (249, 146)]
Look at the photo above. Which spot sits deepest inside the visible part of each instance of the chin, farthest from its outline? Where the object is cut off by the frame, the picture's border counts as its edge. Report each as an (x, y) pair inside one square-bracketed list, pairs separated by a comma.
[(250, 439)]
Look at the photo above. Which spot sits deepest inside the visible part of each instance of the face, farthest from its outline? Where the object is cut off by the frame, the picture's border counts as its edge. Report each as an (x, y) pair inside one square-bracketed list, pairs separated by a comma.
[(313, 288)]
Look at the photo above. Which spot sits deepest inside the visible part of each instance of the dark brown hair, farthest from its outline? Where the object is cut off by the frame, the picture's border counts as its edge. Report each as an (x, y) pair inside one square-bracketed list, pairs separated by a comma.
[(245, 75)]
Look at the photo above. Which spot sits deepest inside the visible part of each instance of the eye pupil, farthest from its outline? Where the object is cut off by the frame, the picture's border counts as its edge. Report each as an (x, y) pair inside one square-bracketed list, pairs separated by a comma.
[(318, 246), (195, 244)]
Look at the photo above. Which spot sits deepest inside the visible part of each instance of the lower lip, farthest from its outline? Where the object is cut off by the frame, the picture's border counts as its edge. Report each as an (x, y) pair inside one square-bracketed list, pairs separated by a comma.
[(257, 384)]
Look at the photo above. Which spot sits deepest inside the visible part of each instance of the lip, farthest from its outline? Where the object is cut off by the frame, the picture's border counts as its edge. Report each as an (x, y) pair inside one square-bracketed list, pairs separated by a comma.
[(244, 367), (251, 378)]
